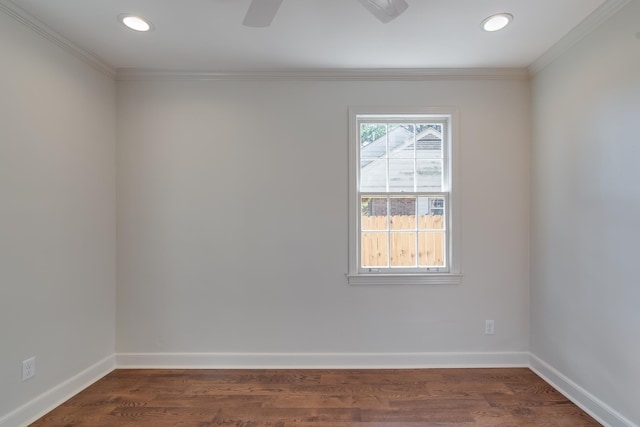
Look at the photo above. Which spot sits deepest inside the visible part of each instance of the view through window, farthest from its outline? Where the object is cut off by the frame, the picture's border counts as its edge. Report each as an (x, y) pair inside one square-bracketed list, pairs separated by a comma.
[(403, 193)]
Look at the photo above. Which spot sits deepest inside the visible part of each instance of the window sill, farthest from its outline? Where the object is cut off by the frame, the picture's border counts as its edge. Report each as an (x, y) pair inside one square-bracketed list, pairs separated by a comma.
[(404, 279)]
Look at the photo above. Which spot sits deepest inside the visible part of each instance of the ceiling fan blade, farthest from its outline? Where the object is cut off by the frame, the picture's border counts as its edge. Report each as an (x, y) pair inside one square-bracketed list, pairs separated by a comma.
[(385, 10), (261, 13)]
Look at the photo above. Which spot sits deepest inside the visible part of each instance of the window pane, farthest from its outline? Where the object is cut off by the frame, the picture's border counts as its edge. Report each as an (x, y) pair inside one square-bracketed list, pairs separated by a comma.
[(373, 247), (373, 213), (429, 175), (429, 144), (401, 139), (401, 175), (431, 213), (422, 128), (373, 175), (373, 140), (403, 213), (431, 249), (403, 249)]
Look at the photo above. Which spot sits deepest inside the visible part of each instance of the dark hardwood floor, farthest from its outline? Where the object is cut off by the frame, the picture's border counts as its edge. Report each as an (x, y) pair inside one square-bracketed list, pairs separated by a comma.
[(328, 398)]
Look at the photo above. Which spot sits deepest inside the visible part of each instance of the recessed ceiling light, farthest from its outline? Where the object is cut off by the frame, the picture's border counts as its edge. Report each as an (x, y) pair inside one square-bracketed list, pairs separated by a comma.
[(135, 23), (497, 22)]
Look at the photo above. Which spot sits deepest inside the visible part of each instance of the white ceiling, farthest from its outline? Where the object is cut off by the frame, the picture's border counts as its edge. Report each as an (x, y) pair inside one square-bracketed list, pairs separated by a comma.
[(208, 35)]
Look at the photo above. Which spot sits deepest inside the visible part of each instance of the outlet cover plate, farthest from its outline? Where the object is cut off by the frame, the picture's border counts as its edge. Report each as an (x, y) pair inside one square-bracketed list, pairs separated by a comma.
[(489, 326), (28, 368)]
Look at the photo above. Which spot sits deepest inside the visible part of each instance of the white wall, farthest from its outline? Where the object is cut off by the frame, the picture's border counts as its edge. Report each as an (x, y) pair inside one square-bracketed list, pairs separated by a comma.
[(585, 318), (57, 215), (232, 221)]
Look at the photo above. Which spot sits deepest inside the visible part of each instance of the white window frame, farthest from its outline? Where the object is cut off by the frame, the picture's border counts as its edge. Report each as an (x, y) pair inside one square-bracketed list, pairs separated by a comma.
[(451, 147)]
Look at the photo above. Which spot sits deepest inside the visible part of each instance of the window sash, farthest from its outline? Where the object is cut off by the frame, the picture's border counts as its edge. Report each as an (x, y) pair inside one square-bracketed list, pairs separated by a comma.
[(409, 119), (389, 231)]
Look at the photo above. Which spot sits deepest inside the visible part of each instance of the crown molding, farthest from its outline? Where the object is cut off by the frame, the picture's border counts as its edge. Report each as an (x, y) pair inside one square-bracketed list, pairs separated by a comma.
[(333, 74), (14, 11), (583, 29)]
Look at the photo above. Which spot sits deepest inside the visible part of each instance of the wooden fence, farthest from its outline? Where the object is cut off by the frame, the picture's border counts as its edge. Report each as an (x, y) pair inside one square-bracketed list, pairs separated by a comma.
[(398, 245)]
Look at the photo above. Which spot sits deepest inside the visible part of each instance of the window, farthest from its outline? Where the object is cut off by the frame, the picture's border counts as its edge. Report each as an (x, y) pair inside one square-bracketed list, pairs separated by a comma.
[(402, 205)]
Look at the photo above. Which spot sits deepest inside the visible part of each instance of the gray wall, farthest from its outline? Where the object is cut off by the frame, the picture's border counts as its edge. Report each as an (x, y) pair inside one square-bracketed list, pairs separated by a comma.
[(57, 214), (585, 319), (232, 221)]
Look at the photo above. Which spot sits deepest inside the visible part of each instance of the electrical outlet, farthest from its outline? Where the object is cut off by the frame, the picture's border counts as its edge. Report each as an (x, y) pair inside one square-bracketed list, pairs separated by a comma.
[(28, 368), (489, 327)]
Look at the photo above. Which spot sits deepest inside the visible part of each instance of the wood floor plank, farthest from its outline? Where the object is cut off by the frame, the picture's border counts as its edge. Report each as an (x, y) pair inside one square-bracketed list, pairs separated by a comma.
[(513, 397), (317, 415), (326, 401)]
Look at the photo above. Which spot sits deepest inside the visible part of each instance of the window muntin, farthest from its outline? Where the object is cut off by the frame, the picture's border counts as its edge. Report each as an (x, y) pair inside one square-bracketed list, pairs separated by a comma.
[(403, 193)]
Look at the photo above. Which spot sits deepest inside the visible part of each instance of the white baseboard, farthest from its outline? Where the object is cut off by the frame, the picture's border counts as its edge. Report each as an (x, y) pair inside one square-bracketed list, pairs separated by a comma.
[(595, 407), (36, 408), (320, 360)]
